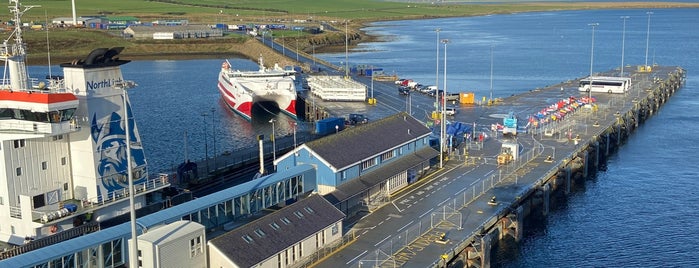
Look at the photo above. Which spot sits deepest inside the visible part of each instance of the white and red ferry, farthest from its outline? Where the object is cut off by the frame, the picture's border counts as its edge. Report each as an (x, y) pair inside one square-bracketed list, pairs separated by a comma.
[(242, 89), (63, 144)]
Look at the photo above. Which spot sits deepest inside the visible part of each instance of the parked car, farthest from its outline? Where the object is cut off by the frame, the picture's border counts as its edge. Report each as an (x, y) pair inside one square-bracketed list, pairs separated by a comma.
[(450, 111), (403, 90)]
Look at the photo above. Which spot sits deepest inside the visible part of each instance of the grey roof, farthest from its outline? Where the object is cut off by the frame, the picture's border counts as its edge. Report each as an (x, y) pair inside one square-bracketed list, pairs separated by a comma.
[(170, 232), (317, 214), (358, 143), (368, 180)]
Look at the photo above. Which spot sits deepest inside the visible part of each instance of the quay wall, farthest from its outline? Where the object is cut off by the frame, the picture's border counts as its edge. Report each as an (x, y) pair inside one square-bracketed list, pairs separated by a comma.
[(589, 156)]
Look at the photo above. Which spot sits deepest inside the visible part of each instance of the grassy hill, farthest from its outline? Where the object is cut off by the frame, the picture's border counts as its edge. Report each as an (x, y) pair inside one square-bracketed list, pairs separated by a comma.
[(67, 44)]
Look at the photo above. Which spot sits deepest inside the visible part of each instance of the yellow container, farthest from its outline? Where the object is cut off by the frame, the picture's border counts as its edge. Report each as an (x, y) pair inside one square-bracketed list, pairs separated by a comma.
[(467, 97)]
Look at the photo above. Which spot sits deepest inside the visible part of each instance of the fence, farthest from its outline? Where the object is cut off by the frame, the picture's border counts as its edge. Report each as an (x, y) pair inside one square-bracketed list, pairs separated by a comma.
[(396, 249)]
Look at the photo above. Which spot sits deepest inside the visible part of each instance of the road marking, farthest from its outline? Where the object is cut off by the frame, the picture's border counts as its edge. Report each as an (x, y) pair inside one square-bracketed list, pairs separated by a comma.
[(377, 244), (462, 190), (355, 258), (473, 183), (394, 204), (445, 200), (401, 228), (423, 214), (486, 174)]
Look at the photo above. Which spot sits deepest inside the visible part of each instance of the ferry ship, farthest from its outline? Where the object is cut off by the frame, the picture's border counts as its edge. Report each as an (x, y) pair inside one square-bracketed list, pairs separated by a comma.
[(243, 89), (63, 144)]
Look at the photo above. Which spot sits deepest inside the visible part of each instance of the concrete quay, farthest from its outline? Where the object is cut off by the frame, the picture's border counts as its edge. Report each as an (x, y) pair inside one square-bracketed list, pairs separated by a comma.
[(453, 217)]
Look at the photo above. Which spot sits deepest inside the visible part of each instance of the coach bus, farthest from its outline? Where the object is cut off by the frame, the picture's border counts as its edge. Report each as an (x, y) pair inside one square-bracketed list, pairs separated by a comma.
[(605, 84)]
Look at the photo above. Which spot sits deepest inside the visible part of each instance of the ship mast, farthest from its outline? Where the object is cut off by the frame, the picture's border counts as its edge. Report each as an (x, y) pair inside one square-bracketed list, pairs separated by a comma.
[(15, 54)]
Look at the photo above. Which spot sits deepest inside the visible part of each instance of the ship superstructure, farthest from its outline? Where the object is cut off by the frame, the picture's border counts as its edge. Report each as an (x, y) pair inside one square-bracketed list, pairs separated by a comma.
[(63, 149)]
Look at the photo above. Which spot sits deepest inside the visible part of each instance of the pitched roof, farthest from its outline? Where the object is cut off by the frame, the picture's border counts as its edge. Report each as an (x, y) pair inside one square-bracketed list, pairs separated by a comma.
[(358, 143), (365, 181), (255, 242)]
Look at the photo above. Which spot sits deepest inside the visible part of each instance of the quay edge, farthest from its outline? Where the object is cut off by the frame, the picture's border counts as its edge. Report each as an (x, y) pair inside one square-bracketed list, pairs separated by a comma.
[(584, 161)]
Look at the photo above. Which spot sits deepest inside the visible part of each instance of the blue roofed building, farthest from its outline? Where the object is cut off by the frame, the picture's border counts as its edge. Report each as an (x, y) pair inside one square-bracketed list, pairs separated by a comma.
[(359, 168)]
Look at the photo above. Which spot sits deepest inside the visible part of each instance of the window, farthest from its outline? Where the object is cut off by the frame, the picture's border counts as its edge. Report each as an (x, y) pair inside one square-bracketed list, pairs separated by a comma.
[(343, 175), (387, 155), (44, 165), (335, 229), (286, 221), (309, 210), (63, 160), (298, 214), (368, 163), (19, 171), (274, 225), (259, 232), (195, 247), (247, 238), (19, 143)]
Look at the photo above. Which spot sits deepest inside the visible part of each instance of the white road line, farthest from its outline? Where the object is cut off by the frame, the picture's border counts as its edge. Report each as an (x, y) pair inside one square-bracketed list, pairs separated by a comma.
[(355, 258), (445, 200), (486, 174), (394, 204), (377, 244), (473, 183), (401, 228), (423, 214), (462, 190)]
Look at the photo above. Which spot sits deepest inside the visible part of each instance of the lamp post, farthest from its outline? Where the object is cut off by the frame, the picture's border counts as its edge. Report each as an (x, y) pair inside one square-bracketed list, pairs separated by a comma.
[(206, 145), (623, 40), (297, 49), (436, 83), (491, 72), (133, 259), (295, 126), (283, 46), (444, 92), (274, 145), (592, 55), (648, 37), (213, 134)]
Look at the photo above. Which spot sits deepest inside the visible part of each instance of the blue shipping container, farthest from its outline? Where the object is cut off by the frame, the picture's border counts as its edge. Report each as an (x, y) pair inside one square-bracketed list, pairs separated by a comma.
[(328, 125)]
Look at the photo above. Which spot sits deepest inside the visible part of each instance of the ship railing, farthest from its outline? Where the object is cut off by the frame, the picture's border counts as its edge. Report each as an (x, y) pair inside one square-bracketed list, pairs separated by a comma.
[(38, 127), (147, 186)]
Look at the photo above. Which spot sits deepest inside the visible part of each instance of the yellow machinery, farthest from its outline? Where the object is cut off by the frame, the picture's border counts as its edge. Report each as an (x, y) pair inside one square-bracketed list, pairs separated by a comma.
[(508, 153)]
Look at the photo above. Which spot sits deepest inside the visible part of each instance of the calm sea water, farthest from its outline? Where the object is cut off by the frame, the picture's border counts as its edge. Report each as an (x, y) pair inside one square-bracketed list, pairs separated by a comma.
[(640, 212)]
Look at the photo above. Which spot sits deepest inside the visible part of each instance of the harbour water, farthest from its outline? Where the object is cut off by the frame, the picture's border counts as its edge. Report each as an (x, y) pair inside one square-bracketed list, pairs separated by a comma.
[(639, 212)]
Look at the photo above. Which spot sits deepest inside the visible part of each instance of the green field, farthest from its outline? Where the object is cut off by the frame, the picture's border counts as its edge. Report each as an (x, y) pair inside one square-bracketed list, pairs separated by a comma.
[(69, 43)]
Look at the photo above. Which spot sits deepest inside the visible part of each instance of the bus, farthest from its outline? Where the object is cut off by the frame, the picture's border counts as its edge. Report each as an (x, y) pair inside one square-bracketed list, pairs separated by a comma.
[(605, 84)]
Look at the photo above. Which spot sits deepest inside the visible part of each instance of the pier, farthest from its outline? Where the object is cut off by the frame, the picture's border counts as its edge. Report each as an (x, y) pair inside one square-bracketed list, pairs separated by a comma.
[(454, 217)]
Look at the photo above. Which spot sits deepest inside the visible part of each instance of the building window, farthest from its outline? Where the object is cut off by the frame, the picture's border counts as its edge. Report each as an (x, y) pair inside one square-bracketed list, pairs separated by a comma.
[(259, 232), (286, 221), (63, 161), (1, 203), (274, 226), (335, 229), (387, 155), (400, 150), (298, 214), (19, 143), (19, 171), (44, 165), (247, 238), (309, 210), (343, 175), (368, 163), (195, 247)]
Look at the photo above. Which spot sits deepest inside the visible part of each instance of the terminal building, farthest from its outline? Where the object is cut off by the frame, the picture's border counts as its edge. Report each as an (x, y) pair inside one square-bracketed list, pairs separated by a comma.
[(317, 186)]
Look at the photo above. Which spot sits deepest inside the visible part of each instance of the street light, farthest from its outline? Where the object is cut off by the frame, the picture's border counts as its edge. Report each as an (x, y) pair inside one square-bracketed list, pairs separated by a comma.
[(206, 145), (491, 72), (623, 39), (647, 38), (592, 55), (436, 84), (274, 145), (213, 133), (295, 126), (133, 259), (444, 92)]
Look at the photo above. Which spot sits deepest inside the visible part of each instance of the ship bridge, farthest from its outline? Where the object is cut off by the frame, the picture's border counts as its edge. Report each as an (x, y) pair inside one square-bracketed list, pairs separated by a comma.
[(37, 112)]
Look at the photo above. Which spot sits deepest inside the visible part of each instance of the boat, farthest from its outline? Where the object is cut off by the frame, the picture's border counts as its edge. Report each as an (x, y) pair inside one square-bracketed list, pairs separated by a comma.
[(64, 144), (243, 89)]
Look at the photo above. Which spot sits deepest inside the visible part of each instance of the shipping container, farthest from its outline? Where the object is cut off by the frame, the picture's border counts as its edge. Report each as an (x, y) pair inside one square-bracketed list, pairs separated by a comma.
[(329, 125)]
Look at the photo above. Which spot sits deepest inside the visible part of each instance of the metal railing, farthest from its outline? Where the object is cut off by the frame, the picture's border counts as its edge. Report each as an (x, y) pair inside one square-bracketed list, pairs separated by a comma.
[(397, 248), (326, 251)]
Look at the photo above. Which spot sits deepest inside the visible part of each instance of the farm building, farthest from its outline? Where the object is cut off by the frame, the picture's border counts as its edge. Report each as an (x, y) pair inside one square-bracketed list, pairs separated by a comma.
[(171, 32)]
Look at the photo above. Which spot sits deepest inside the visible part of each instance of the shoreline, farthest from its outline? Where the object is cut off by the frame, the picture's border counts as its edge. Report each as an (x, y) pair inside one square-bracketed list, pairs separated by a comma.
[(329, 45)]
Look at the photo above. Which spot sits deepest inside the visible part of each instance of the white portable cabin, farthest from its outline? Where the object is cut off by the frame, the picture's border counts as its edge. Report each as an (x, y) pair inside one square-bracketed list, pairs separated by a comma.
[(179, 244)]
